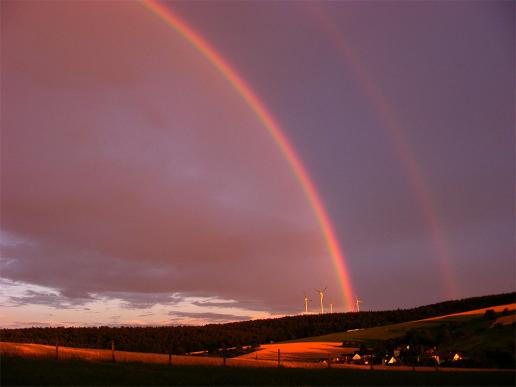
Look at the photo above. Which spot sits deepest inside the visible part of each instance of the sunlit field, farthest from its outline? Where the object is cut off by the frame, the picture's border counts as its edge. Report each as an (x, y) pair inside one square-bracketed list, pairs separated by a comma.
[(395, 330), (298, 351)]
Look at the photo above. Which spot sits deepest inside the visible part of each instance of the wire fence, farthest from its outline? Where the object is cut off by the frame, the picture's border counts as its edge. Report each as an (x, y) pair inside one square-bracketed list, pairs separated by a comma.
[(112, 355)]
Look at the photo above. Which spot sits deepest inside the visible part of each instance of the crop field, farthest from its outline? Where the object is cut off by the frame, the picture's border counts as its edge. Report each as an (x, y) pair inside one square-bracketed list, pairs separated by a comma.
[(68, 353), (23, 371), (298, 351)]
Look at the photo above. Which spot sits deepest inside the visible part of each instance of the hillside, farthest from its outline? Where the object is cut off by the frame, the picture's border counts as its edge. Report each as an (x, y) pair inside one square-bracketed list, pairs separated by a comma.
[(386, 332), (482, 338)]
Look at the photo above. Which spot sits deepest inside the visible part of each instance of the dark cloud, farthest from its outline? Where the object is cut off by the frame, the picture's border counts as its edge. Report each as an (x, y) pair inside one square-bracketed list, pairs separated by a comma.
[(208, 316), (218, 304), (46, 298), (27, 324)]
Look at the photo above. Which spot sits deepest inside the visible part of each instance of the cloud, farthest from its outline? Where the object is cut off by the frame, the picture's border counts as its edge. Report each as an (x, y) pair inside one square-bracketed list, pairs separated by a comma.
[(217, 304), (27, 324), (50, 299), (16, 294), (207, 316)]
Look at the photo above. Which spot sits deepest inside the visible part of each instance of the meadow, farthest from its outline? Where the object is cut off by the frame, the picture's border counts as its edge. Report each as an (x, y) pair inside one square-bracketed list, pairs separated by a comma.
[(23, 371), (472, 319)]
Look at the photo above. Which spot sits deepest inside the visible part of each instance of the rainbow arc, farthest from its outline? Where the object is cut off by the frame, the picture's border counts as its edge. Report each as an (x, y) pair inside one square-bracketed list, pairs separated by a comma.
[(275, 131)]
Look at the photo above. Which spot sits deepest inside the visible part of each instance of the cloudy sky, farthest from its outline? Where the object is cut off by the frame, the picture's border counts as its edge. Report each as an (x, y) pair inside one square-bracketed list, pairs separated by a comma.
[(138, 187)]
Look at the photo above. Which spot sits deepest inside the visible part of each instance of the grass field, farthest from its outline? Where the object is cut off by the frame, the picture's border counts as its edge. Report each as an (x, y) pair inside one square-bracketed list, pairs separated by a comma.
[(19, 371), (386, 332), (298, 351)]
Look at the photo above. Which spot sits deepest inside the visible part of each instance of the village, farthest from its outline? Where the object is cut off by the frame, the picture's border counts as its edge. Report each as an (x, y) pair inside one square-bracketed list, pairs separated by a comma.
[(400, 355)]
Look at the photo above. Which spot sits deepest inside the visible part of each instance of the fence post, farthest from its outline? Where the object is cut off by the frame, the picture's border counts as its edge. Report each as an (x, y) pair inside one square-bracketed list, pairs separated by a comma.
[(329, 362), (169, 358), (57, 349), (113, 350), (371, 361), (279, 357), (224, 357)]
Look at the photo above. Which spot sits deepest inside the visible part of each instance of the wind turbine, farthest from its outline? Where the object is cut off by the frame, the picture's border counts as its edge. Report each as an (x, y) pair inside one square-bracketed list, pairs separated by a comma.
[(358, 302), (306, 303), (321, 296)]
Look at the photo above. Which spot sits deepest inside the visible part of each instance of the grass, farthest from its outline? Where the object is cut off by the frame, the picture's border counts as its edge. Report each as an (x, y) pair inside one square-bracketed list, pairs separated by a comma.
[(487, 338), (18, 371), (384, 332), (473, 323)]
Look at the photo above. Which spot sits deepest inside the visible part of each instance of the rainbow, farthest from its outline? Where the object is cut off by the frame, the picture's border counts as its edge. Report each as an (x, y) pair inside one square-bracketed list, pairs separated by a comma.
[(391, 123), (272, 127)]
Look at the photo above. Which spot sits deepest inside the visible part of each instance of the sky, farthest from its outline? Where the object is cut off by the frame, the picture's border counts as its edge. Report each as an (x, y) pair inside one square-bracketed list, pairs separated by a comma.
[(138, 186)]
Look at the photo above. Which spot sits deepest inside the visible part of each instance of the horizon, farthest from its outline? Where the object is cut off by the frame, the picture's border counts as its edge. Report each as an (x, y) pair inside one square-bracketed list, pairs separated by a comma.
[(195, 163), (310, 313)]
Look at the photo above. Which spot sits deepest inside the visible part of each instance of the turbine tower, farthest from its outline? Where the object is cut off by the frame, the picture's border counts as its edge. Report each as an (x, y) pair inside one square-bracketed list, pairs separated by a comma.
[(306, 303), (321, 296), (331, 308), (358, 302)]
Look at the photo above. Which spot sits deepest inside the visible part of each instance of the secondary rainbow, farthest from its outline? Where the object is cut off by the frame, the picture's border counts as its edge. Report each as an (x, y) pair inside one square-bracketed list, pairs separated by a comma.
[(270, 124), (407, 156)]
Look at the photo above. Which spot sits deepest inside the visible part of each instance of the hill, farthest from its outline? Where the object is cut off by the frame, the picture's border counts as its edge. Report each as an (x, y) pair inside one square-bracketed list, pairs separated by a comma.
[(481, 338), (386, 332)]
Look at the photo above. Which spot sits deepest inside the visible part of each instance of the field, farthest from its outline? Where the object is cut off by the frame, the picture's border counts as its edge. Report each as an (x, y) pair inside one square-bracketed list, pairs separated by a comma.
[(298, 351), (21, 371), (396, 330), (68, 353)]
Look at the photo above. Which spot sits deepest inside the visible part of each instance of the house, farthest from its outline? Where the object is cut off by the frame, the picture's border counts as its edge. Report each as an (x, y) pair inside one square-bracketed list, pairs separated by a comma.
[(392, 361)]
